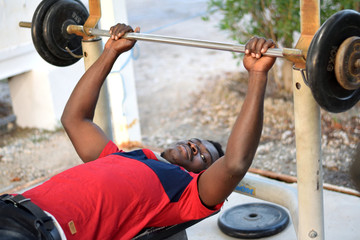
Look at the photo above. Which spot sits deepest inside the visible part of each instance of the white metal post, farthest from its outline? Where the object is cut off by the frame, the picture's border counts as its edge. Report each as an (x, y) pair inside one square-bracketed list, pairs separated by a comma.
[(309, 164), (308, 135)]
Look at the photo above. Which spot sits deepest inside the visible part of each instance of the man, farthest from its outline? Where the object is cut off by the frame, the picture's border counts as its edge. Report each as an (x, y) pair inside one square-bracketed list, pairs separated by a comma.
[(116, 194)]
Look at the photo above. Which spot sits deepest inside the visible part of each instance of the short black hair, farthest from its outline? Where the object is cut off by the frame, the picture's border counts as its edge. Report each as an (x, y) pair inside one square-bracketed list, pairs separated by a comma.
[(218, 148)]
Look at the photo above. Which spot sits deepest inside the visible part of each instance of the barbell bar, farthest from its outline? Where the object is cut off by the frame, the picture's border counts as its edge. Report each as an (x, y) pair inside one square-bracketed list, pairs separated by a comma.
[(189, 42), (57, 30), (273, 52)]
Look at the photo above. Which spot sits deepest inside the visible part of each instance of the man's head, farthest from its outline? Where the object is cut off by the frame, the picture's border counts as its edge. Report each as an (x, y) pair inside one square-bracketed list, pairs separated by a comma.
[(194, 155)]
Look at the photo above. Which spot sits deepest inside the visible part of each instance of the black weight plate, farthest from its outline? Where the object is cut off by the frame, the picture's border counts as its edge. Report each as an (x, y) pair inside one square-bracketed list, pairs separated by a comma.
[(60, 15), (320, 61), (253, 220), (37, 32)]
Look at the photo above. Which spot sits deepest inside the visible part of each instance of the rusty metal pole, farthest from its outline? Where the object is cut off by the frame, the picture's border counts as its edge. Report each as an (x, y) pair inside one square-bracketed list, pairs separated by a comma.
[(308, 136)]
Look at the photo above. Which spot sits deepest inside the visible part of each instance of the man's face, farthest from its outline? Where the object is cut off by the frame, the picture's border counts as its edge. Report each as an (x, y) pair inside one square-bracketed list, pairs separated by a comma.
[(194, 155)]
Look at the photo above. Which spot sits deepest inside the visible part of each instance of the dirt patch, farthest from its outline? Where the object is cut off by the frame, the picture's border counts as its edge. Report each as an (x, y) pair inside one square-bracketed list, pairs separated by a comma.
[(30, 154)]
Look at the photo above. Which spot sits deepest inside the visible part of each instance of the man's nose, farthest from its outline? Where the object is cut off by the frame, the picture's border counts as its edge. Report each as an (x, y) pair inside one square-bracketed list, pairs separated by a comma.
[(193, 147)]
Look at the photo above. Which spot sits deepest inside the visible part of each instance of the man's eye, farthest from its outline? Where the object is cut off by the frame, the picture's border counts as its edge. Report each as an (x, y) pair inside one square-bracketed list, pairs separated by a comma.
[(202, 157)]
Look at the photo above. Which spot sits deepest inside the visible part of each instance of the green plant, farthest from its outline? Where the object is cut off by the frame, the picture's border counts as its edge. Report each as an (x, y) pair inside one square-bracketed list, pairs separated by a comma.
[(276, 19)]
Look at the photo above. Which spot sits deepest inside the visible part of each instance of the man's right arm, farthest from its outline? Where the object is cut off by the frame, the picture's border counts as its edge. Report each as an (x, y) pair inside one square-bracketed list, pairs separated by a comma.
[(220, 179), (88, 139)]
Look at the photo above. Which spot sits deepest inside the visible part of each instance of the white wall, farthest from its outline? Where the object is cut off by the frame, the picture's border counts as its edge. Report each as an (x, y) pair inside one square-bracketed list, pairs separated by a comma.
[(39, 96), (39, 91), (17, 53)]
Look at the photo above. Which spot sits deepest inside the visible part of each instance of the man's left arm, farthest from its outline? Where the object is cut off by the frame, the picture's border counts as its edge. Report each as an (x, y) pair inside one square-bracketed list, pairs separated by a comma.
[(220, 179)]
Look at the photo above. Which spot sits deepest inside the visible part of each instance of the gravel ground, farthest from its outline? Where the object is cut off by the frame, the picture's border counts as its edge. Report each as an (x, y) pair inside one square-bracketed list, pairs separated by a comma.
[(183, 93)]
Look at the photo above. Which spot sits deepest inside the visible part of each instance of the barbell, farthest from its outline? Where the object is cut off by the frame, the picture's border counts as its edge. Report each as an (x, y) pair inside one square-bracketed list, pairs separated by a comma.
[(332, 61)]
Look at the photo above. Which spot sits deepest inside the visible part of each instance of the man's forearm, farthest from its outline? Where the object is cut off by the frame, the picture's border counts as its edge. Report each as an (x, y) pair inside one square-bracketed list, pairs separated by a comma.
[(246, 133)]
